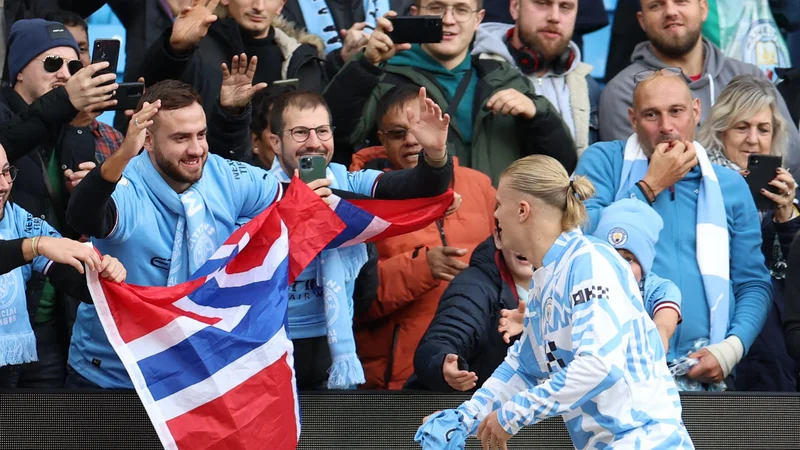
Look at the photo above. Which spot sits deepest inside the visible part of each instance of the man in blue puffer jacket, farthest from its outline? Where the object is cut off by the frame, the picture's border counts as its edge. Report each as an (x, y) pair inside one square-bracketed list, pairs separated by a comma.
[(711, 242)]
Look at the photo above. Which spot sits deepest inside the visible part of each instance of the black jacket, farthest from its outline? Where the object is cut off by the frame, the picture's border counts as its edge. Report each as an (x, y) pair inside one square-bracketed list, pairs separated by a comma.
[(791, 324), (201, 66), (466, 322), (344, 13), (73, 146), (790, 90)]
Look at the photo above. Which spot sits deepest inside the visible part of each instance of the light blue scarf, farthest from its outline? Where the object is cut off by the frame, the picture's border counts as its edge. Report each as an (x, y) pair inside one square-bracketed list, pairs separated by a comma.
[(712, 232), (337, 270), (195, 235), (17, 341), (319, 21)]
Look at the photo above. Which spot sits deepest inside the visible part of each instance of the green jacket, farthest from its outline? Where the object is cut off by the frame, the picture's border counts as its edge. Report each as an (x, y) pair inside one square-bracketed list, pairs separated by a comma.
[(497, 140)]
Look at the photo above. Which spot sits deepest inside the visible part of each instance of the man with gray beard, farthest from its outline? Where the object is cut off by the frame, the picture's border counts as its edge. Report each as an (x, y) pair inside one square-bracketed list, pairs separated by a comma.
[(673, 28), (540, 45)]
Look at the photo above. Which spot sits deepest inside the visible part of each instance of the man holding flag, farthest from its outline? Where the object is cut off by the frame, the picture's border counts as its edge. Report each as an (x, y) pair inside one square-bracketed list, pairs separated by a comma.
[(165, 211)]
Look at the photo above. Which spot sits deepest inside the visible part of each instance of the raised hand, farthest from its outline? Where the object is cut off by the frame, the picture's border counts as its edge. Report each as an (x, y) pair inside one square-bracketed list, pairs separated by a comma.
[(380, 47), (85, 91), (430, 128), (237, 83), (192, 24), (134, 139), (353, 40), (511, 322)]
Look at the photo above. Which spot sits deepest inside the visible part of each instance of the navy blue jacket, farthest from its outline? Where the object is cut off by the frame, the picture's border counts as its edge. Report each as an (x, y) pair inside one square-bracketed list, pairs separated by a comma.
[(466, 322)]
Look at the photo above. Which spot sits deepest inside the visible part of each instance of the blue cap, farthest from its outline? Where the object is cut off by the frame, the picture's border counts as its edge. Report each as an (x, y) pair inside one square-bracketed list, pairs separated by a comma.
[(31, 37), (631, 225)]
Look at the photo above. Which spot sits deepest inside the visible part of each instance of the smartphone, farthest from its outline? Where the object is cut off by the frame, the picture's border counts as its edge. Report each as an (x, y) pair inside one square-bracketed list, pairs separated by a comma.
[(106, 50), (762, 170), (312, 168), (292, 83), (127, 96), (416, 29)]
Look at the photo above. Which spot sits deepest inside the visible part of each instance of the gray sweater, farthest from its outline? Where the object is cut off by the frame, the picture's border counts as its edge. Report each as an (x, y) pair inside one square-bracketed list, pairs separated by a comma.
[(718, 70)]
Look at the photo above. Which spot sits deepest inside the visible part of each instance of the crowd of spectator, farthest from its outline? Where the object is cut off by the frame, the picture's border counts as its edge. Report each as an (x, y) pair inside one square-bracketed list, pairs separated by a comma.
[(237, 91)]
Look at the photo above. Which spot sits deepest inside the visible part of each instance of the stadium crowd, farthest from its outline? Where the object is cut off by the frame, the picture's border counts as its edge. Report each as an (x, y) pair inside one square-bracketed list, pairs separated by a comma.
[(640, 204)]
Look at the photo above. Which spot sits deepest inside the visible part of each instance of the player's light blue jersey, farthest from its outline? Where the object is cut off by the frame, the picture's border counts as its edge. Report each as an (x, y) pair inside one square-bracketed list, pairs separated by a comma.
[(590, 353)]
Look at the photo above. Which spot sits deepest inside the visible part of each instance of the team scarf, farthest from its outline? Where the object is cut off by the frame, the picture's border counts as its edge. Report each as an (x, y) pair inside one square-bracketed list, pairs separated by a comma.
[(195, 234), (713, 252), (337, 270), (17, 341), (319, 20)]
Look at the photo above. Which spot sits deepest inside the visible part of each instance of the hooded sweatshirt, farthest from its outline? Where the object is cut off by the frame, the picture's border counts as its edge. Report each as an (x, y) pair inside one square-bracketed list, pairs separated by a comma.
[(574, 93), (448, 80), (718, 70)]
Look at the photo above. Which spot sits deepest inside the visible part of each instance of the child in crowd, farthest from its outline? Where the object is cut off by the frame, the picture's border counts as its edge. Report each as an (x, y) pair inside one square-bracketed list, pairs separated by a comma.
[(632, 227)]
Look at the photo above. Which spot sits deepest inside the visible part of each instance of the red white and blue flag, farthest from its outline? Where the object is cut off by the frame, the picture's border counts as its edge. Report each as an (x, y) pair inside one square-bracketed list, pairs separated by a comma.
[(210, 358)]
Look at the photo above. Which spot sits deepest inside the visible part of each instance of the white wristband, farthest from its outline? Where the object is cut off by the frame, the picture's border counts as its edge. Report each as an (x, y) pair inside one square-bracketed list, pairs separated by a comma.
[(728, 353)]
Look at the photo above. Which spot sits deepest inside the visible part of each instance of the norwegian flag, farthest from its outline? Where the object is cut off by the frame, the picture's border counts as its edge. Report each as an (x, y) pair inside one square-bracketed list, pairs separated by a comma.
[(210, 358)]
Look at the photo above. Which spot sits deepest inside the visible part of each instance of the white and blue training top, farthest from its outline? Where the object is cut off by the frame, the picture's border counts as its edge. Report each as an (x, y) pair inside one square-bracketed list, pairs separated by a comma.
[(590, 353)]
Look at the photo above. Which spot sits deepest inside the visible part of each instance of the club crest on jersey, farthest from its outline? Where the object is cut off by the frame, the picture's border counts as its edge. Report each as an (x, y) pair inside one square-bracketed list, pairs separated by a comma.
[(617, 236), (548, 311)]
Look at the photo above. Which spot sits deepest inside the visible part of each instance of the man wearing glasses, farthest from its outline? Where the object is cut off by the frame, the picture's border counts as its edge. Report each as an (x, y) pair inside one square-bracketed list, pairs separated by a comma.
[(710, 245), (301, 126), (673, 29), (497, 117)]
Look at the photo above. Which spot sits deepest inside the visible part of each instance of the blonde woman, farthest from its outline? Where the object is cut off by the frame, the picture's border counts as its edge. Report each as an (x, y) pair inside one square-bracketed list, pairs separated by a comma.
[(588, 352), (745, 120)]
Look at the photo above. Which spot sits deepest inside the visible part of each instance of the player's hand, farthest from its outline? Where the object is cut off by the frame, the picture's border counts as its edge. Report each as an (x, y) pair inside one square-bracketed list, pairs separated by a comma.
[(460, 380), (511, 322), (708, 370), (491, 434)]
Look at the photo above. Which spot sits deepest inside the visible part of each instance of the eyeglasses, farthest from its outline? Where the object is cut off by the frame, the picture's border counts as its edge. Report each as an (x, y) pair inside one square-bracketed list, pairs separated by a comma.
[(53, 64), (10, 173), (395, 134), (301, 134), (645, 75), (461, 13)]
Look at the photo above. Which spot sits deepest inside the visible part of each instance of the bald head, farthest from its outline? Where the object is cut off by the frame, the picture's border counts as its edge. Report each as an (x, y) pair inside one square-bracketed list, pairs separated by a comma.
[(663, 110)]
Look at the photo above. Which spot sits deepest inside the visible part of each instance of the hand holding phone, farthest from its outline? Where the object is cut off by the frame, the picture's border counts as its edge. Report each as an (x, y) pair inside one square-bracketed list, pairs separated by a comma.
[(106, 50), (380, 47), (416, 30)]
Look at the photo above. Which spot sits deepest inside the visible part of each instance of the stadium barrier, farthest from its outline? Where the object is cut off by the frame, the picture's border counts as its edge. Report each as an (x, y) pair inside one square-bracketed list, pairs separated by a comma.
[(81, 419)]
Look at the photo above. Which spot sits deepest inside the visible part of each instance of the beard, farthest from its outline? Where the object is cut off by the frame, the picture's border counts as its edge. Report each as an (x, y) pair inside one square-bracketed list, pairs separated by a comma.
[(677, 46), (549, 49), (173, 171)]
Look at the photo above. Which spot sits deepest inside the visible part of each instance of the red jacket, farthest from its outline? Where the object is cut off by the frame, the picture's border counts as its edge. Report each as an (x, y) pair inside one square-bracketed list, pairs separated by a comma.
[(387, 335)]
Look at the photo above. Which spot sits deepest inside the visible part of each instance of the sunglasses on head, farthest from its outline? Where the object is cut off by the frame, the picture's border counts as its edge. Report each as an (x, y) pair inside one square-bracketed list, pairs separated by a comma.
[(649, 74), (53, 64)]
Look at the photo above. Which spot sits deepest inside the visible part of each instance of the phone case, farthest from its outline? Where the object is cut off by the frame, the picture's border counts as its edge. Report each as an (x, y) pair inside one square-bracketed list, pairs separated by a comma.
[(762, 170), (127, 96), (312, 168), (106, 50), (416, 30)]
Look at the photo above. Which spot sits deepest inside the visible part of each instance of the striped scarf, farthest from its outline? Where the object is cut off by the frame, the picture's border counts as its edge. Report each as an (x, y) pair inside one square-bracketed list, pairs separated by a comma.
[(713, 249)]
